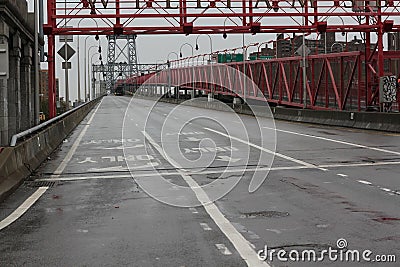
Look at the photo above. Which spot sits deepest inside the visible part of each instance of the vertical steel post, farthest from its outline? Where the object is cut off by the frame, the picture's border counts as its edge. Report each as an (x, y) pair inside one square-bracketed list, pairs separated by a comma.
[(51, 73), (36, 61), (51, 59)]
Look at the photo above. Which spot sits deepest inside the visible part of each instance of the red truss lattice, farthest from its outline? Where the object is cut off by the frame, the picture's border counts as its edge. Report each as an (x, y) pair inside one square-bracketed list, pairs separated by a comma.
[(217, 17)]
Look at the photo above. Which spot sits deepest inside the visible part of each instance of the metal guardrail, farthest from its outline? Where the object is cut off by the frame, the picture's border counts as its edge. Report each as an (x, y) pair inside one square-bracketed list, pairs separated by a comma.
[(17, 136)]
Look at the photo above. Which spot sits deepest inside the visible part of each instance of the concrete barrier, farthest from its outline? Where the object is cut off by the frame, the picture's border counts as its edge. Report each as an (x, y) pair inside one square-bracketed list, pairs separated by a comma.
[(19, 161), (389, 122)]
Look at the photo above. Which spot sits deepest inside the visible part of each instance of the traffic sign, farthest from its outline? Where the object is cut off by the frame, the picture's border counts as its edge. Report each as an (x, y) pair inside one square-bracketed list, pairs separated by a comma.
[(70, 52), (68, 65), (70, 38), (300, 50)]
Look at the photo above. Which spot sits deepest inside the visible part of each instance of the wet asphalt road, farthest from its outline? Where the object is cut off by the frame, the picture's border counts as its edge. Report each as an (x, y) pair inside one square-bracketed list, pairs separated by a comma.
[(325, 183)]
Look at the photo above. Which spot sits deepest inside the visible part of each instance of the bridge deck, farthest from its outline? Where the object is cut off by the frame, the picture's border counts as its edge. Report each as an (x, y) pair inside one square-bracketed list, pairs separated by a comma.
[(326, 183)]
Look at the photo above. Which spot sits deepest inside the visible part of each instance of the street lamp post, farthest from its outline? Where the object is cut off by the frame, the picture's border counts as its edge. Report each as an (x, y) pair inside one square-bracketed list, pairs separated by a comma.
[(180, 54), (88, 71), (93, 77), (169, 71), (244, 68), (85, 62), (210, 58), (79, 64)]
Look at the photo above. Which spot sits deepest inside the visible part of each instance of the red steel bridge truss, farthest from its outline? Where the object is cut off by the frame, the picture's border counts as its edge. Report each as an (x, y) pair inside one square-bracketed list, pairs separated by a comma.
[(346, 80)]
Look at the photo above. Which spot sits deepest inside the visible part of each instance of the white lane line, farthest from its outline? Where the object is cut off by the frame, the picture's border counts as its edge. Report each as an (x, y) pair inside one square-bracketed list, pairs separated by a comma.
[(364, 182), (22, 208), (233, 170), (342, 175), (193, 210), (378, 163), (385, 189), (238, 241), (309, 165), (223, 249), (79, 178), (390, 191), (205, 227), (337, 141), (38, 193)]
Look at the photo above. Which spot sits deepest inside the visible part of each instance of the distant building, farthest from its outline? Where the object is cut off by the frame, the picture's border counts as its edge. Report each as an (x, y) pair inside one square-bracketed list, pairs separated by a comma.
[(393, 40), (44, 85)]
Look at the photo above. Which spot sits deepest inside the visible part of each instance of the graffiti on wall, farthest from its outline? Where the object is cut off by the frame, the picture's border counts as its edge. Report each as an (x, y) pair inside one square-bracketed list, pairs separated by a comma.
[(388, 89)]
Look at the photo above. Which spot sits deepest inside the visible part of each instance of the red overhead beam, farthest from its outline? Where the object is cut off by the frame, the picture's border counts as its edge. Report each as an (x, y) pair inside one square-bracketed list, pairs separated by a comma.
[(218, 17)]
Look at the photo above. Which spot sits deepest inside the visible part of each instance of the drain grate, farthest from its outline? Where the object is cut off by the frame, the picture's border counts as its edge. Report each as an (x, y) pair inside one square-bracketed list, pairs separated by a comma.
[(36, 184), (266, 214)]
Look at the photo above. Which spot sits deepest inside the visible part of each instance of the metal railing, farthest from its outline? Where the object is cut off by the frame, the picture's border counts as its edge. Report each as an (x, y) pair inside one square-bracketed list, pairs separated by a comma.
[(39, 127)]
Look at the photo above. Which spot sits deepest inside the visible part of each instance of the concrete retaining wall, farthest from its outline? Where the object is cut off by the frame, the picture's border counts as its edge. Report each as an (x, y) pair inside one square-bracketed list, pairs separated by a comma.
[(17, 163), (362, 120)]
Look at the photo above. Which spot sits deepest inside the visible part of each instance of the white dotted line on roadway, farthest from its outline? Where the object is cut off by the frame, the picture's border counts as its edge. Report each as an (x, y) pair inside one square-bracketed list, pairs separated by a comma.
[(387, 190)]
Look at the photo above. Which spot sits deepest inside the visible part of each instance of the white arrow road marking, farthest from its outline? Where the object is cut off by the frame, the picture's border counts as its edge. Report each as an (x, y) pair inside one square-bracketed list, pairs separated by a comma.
[(227, 158)]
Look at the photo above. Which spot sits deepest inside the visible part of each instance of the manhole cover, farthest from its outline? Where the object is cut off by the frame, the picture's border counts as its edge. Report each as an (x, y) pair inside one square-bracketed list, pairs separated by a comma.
[(266, 214)]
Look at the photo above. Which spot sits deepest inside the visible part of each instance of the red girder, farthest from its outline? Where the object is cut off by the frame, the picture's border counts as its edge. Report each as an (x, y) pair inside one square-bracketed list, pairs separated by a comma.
[(239, 16), (340, 84)]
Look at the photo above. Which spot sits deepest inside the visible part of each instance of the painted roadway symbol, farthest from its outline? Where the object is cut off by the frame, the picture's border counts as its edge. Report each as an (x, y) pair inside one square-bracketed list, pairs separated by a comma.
[(117, 158)]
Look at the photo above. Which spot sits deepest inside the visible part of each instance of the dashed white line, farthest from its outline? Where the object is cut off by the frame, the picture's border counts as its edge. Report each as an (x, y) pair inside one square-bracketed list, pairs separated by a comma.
[(205, 227), (342, 175), (385, 189), (364, 182), (223, 249)]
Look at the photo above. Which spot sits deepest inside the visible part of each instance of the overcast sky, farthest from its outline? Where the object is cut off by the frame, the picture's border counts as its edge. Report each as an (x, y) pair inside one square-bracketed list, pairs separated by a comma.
[(154, 48)]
